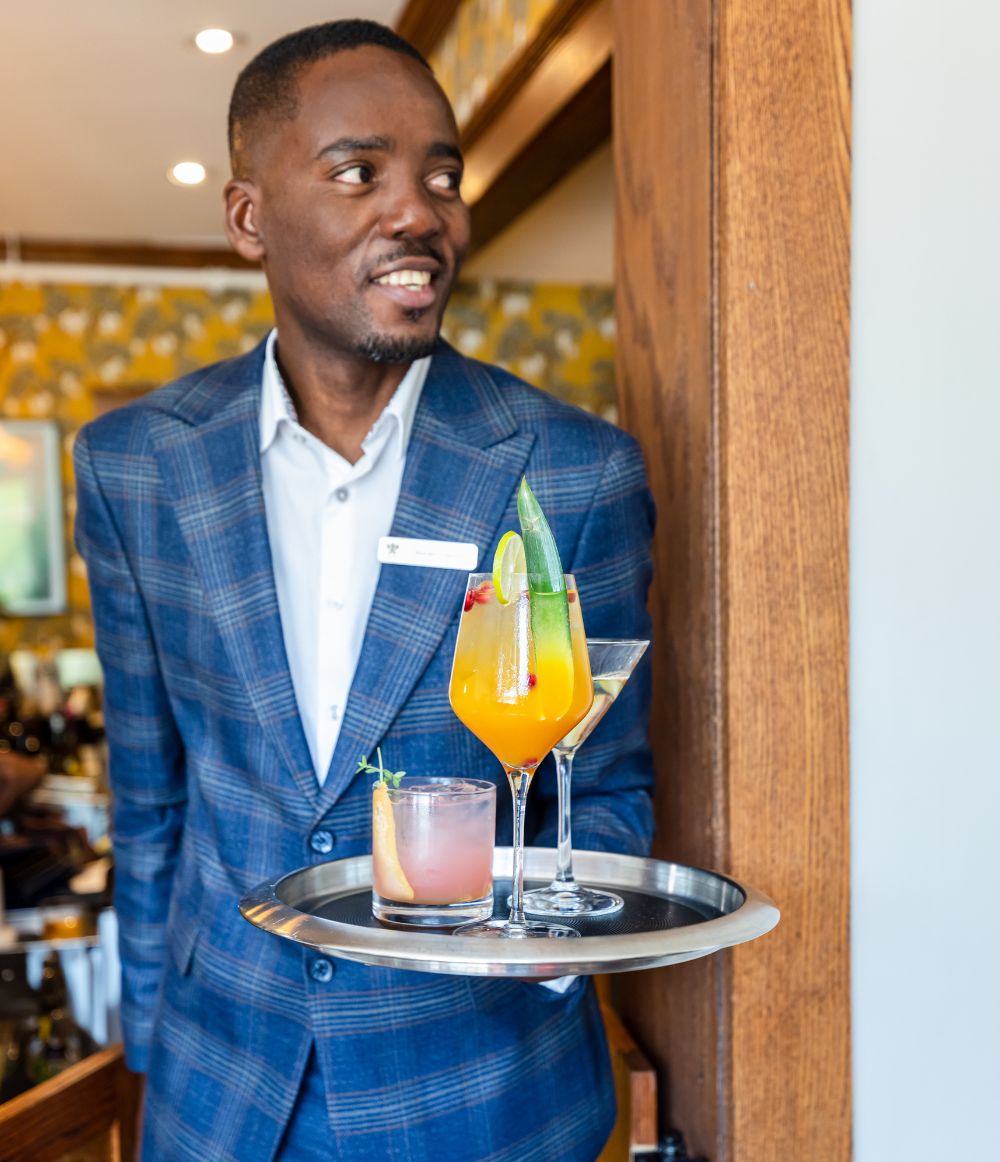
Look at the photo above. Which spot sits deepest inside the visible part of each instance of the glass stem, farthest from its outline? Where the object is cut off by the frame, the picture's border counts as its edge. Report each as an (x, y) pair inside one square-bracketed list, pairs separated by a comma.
[(519, 781), (564, 853)]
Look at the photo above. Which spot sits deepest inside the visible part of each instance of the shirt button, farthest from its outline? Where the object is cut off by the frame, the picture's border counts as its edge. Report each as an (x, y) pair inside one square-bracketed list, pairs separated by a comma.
[(321, 971), (342, 494), (321, 841)]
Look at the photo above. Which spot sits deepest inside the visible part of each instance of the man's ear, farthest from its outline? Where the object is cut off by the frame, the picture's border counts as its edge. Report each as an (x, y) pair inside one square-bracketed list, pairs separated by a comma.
[(242, 219)]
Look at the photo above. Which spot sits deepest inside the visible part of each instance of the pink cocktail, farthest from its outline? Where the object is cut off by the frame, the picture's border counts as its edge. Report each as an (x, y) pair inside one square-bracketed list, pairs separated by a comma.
[(432, 850)]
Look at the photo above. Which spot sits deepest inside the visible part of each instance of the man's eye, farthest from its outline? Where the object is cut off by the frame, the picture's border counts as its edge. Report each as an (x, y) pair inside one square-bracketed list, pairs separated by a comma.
[(355, 175), (449, 179)]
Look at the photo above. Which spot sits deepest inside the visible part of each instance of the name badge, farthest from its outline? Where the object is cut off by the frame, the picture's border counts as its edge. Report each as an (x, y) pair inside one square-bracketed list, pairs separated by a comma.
[(461, 555)]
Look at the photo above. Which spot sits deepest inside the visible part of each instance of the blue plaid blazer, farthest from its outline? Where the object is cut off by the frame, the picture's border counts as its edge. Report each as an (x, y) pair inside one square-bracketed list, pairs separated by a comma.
[(214, 791)]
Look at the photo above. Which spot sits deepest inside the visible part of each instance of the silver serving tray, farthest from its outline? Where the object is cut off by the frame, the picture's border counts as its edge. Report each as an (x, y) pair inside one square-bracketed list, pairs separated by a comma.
[(672, 913)]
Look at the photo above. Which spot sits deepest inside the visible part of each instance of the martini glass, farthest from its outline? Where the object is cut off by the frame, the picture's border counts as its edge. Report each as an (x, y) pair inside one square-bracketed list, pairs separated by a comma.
[(611, 665), (519, 698)]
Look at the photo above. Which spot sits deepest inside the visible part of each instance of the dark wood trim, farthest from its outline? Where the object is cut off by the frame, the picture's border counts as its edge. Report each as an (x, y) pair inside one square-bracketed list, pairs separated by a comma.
[(570, 137), (636, 1129), (97, 1096), (556, 26), (424, 22), (125, 254), (557, 114), (732, 277), (665, 365)]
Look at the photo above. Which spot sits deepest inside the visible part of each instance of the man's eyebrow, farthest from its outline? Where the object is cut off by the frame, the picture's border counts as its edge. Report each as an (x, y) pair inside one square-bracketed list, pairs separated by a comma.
[(385, 145), (445, 149), (357, 145)]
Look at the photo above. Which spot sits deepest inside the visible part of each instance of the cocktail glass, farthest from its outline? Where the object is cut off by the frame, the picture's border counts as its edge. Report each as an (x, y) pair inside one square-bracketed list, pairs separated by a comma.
[(611, 665), (519, 702), (432, 851)]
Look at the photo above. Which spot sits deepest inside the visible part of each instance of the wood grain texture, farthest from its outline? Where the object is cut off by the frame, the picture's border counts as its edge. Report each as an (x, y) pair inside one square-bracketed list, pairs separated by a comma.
[(732, 138), (667, 398), (783, 124), (90, 1107), (635, 1090)]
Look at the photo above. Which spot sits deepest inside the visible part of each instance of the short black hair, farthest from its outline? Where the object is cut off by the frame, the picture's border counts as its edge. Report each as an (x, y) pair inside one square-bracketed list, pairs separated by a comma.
[(267, 85)]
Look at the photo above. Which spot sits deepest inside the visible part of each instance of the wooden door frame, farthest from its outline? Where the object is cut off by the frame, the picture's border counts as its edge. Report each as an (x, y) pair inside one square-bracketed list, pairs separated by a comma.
[(732, 158)]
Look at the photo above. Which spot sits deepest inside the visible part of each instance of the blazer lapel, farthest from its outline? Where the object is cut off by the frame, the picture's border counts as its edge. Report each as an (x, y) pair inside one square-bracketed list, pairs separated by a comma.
[(208, 450), (463, 464)]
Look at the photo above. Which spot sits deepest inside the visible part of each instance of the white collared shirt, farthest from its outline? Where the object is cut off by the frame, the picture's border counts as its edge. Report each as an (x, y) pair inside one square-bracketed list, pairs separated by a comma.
[(324, 519)]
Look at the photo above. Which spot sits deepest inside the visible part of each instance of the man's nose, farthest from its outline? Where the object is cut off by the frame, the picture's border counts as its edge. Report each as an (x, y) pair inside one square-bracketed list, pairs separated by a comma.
[(410, 210)]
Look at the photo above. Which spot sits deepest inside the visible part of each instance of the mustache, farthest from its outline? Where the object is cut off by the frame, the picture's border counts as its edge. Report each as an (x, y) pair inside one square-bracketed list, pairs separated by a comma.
[(413, 250)]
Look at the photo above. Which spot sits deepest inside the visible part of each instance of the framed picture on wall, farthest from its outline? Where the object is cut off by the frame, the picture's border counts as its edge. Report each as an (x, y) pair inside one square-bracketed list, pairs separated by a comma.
[(32, 547)]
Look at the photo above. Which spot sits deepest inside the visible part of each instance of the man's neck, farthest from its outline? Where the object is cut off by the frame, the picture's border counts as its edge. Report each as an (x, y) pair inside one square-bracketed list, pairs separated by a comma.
[(337, 400)]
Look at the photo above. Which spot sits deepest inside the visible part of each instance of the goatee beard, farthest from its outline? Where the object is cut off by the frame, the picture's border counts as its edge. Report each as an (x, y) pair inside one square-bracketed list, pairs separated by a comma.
[(392, 349)]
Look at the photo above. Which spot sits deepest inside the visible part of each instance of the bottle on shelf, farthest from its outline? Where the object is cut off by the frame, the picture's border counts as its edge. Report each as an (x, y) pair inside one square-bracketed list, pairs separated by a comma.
[(59, 1041)]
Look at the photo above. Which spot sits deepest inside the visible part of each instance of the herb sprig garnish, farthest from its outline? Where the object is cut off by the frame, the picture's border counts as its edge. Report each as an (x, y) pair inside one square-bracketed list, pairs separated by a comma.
[(385, 776)]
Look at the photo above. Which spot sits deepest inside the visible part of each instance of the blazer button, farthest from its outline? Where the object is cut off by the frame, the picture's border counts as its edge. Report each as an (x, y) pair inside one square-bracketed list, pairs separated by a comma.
[(321, 971), (321, 841)]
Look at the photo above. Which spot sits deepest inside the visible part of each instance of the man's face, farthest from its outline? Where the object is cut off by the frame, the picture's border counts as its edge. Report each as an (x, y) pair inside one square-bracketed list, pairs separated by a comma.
[(362, 227)]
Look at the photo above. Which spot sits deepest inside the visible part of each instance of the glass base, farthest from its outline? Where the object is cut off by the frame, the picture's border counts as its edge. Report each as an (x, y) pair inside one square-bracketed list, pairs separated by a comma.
[(509, 930), (571, 899), (409, 915)]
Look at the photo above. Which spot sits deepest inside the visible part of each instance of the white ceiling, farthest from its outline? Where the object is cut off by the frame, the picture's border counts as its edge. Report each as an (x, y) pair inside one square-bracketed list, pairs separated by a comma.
[(100, 98)]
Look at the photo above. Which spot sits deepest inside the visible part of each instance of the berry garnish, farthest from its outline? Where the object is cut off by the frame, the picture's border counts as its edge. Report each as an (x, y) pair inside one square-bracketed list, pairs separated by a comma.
[(480, 595), (532, 681)]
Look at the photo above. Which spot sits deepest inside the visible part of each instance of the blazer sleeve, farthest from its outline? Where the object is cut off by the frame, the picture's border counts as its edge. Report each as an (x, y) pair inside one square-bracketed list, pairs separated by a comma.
[(148, 794), (613, 770)]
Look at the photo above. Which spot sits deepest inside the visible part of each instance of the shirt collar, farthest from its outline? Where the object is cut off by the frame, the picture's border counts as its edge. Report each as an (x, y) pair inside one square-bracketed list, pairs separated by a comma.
[(276, 404)]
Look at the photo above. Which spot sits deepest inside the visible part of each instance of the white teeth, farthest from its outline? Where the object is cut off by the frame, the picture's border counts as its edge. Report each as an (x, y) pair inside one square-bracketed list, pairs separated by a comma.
[(408, 278)]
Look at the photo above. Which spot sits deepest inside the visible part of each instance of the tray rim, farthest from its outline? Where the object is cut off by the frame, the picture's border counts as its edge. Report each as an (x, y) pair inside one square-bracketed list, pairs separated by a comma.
[(431, 951)]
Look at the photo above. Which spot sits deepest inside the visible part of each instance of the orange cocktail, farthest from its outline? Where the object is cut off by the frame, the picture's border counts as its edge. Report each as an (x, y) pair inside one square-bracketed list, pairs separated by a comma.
[(517, 697), (520, 681)]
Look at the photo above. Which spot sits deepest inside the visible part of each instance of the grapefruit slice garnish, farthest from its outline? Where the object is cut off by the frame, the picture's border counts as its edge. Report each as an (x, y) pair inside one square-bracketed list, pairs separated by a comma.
[(390, 879)]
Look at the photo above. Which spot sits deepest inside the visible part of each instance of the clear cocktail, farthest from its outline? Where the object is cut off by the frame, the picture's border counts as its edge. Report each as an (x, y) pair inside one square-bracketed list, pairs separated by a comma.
[(611, 664)]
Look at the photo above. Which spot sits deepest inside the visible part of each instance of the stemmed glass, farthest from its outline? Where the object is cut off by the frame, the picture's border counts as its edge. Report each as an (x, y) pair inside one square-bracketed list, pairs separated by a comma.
[(611, 664), (519, 700)]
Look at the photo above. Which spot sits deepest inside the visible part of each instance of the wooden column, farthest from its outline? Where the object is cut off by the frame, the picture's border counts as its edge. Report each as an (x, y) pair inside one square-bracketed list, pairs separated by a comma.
[(731, 132)]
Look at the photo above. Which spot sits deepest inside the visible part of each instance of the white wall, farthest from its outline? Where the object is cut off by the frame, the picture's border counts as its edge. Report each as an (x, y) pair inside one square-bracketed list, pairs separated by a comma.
[(925, 675), (567, 236)]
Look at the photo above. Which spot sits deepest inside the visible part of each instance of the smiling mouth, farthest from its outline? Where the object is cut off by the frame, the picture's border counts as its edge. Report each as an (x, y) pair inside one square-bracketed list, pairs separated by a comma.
[(410, 279)]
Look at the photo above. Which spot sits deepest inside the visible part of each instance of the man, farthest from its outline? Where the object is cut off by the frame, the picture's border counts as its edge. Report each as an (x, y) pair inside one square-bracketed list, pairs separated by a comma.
[(254, 650)]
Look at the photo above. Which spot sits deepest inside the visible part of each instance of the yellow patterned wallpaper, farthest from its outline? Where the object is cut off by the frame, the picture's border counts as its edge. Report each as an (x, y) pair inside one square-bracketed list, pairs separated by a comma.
[(560, 338), (67, 352), (481, 39)]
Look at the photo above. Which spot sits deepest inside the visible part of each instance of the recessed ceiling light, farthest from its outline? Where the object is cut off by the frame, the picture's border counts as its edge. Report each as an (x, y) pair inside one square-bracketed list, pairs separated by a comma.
[(214, 40), (187, 173)]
